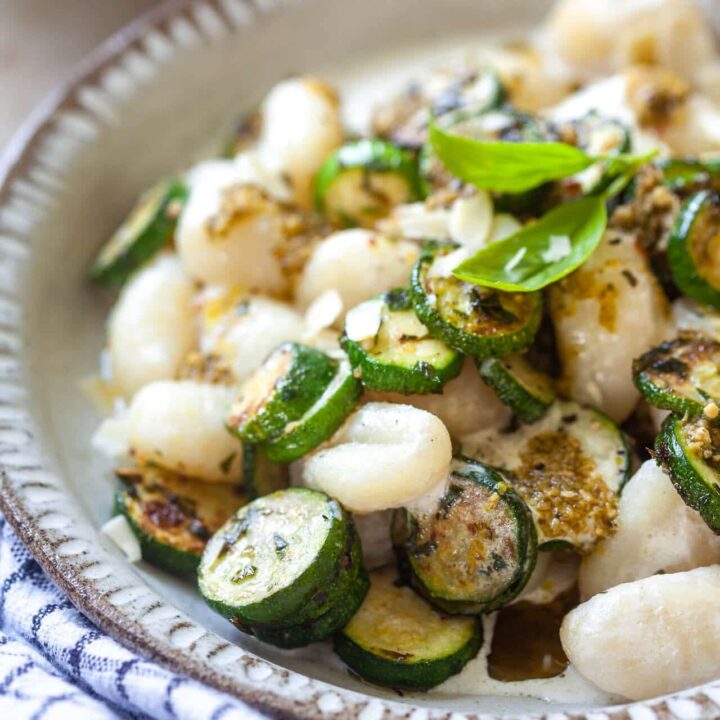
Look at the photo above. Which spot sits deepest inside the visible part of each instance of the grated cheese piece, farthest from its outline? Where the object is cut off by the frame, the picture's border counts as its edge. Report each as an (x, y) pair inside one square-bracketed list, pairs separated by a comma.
[(363, 321), (119, 531)]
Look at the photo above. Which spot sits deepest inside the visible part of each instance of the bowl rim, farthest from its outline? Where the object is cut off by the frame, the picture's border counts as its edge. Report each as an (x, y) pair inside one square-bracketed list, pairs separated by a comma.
[(15, 158)]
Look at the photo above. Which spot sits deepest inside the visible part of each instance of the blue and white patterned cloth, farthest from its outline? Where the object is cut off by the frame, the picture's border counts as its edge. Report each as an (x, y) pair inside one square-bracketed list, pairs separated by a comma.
[(56, 665)]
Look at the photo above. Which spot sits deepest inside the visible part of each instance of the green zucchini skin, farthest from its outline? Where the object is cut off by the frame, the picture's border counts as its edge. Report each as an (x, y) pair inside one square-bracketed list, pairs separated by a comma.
[(312, 524), (681, 375), (320, 422), (356, 164), (527, 392), (393, 361), (695, 230), (173, 516), (696, 480), (290, 380), (476, 550), (369, 649), (475, 321), (150, 225), (324, 626), (262, 476)]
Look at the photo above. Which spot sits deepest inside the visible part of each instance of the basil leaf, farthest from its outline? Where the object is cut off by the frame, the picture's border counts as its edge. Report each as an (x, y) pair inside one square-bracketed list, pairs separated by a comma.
[(506, 166), (540, 253)]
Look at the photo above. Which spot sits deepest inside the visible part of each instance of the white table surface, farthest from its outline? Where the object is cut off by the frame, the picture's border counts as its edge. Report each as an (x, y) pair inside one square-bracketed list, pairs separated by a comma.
[(40, 40)]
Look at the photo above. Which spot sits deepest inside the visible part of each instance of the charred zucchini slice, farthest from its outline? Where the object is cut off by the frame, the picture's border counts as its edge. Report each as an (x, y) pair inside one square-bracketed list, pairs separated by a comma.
[(363, 180), (401, 356), (262, 476), (569, 467), (397, 639), (149, 226), (471, 319), (172, 515), (275, 560), (694, 249), (526, 391), (682, 375), (287, 384), (475, 550), (689, 451), (321, 420)]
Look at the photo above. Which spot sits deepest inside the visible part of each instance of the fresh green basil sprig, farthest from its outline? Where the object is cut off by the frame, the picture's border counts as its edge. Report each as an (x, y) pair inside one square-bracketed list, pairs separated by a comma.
[(545, 251)]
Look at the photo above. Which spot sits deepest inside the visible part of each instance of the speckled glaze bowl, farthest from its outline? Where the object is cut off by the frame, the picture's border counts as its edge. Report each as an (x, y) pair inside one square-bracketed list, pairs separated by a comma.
[(142, 105)]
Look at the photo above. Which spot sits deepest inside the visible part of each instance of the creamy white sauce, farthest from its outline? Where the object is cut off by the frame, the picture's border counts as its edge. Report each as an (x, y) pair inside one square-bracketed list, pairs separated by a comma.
[(569, 687)]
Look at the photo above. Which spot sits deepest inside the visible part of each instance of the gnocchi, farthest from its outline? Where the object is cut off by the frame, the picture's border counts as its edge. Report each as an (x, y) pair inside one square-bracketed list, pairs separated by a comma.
[(386, 455), (151, 328)]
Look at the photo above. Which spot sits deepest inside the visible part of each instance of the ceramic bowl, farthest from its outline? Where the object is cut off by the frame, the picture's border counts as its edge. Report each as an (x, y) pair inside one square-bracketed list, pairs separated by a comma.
[(161, 93)]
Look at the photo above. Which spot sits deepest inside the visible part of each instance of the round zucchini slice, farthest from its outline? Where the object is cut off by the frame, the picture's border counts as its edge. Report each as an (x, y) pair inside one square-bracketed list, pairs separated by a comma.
[(681, 375), (287, 384), (320, 421), (172, 515), (526, 391), (694, 249), (150, 225), (401, 356), (472, 319), (262, 476), (398, 640), (363, 180), (569, 467), (475, 550), (323, 627), (276, 559), (689, 451)]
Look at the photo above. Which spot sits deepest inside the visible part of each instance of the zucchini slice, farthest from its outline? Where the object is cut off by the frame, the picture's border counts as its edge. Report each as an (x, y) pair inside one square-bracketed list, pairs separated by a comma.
[(475, 550), (276, 559), (682, 375), (321, 420), (149, 226), (362, 181), (694, 249), (689, 451), (569, 467), (397, 639), (341, 603), (262, 476), (474, 320), (172, 515), (526, 391), (287, 384), (401, 356), (323, 627)]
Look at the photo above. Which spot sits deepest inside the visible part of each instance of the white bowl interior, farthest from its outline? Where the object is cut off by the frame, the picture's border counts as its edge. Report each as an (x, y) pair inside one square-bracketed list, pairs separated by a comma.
[(126, 133)]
